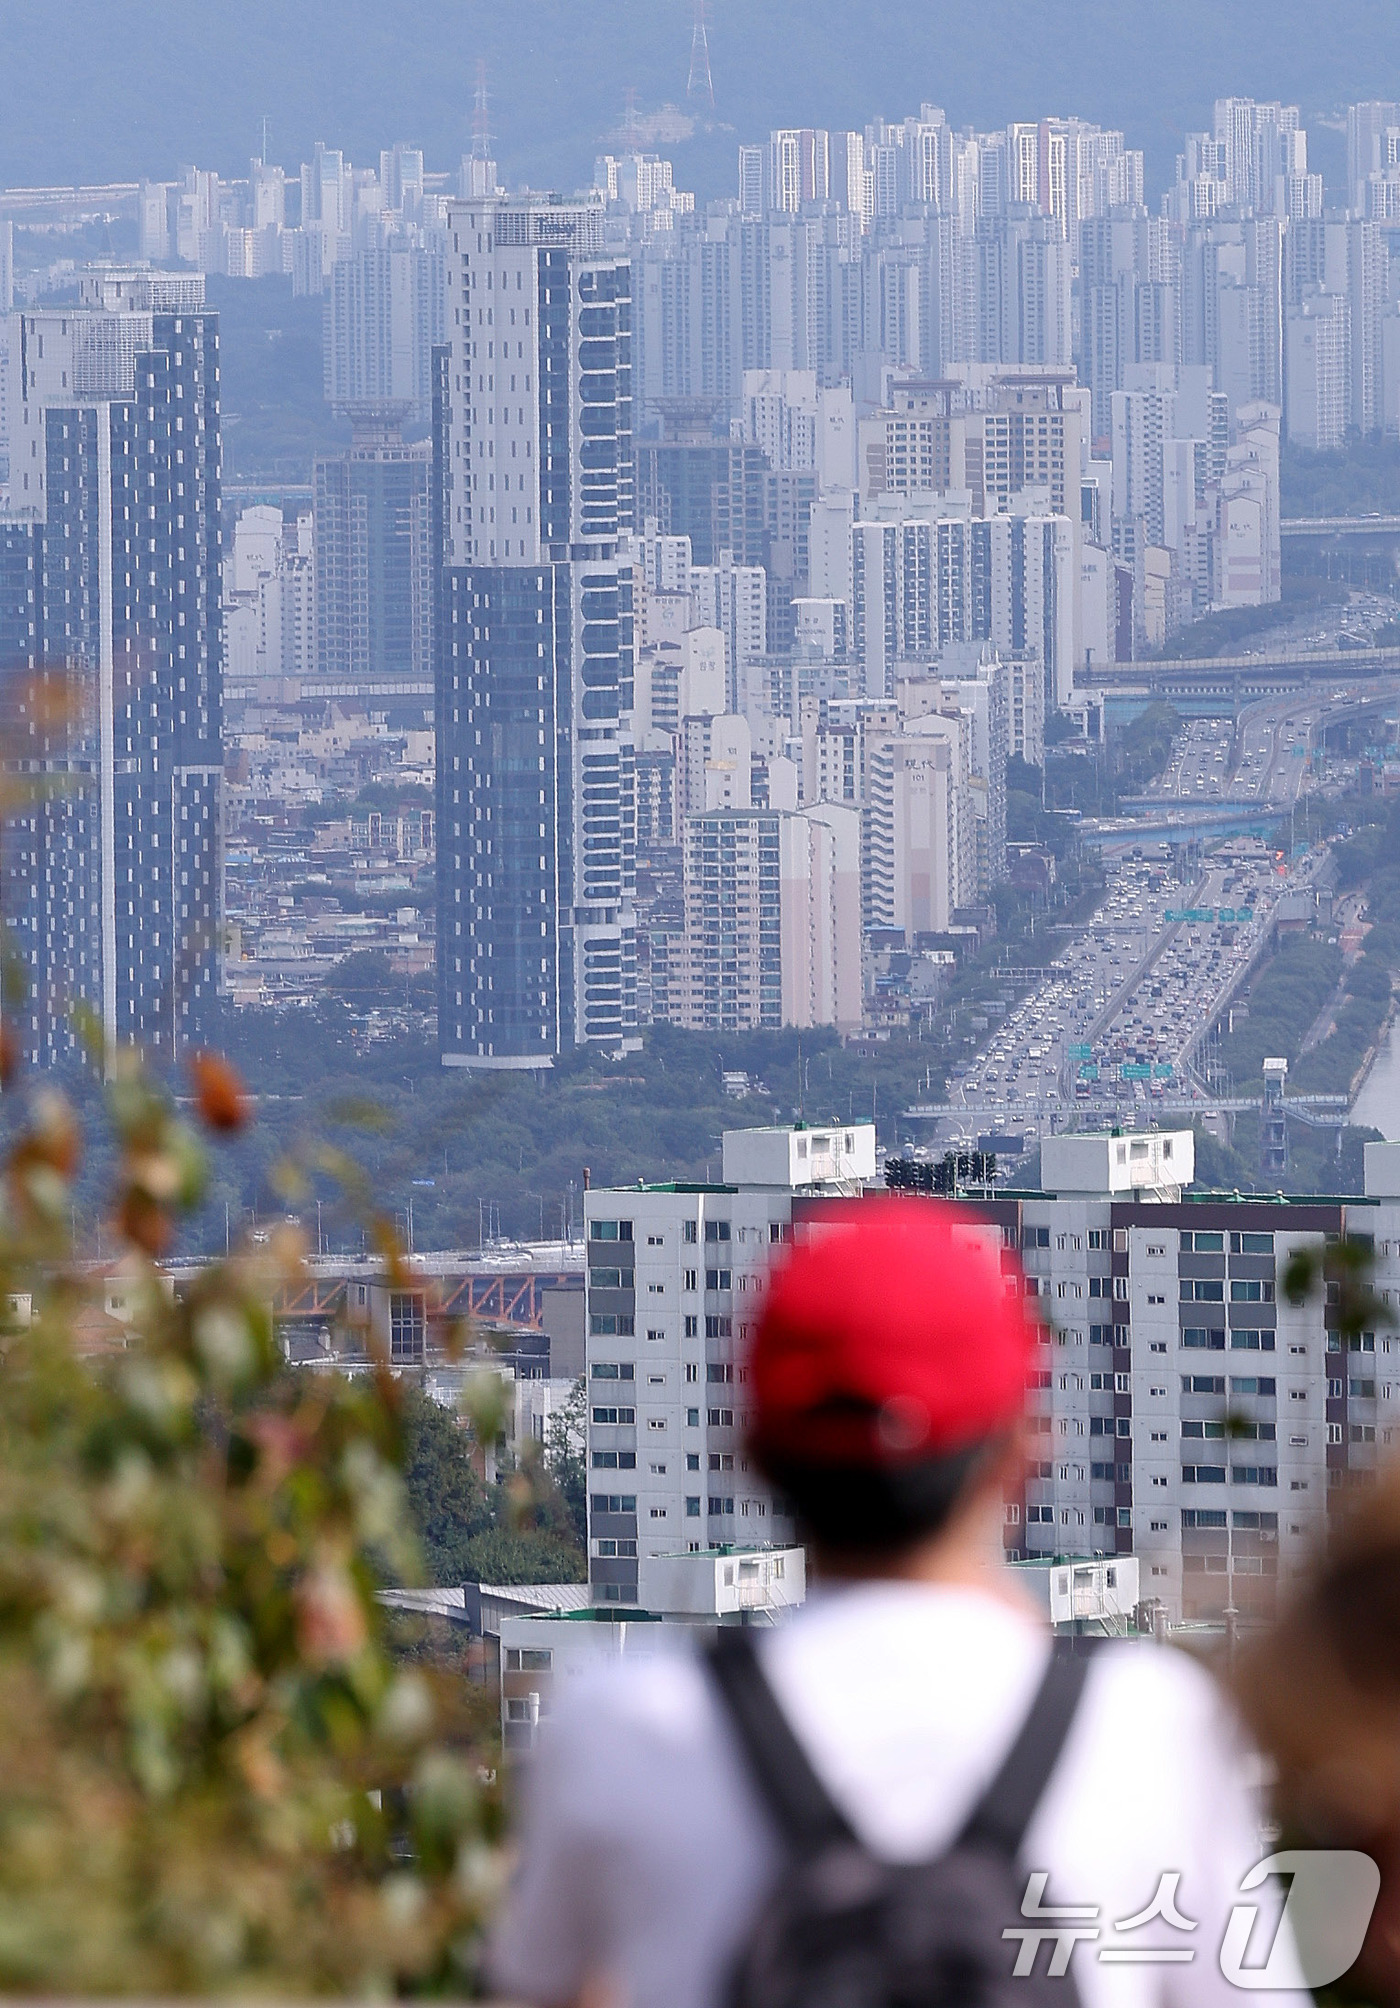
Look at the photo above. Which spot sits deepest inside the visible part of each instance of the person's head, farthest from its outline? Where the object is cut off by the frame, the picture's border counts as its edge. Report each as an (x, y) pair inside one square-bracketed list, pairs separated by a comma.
[(887, 1377)]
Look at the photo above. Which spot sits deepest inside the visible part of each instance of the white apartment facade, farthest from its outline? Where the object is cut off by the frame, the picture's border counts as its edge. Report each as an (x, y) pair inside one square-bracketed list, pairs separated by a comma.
[(1184, 1410), (675, 1280)]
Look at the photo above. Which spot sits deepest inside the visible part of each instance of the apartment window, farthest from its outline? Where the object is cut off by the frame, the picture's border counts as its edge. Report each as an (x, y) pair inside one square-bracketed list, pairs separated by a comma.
[(614, 1460), (691, 1279), (689, 1231), (1203, 1429), (407, 1326), (614, 1502), (1251, 1244), (611, 1370), (1204, 1338), (1249, 1290), (610, 1230), (1247, 1340), (612, 1279), (1203, 1474), (692, 1328), (1202, 1244), (622, 1416)]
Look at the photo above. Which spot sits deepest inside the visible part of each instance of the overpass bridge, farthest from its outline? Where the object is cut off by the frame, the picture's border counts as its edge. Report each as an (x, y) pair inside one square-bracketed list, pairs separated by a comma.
[(1222, 686), (1319, 1111), (1362, 550)]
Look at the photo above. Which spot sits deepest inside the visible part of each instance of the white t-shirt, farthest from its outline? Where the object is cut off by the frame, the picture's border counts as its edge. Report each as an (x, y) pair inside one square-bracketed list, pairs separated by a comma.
[(645, 1849)]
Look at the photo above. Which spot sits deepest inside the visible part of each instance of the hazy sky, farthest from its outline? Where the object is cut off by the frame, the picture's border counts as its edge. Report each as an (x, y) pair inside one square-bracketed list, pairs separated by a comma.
[(97, 89)]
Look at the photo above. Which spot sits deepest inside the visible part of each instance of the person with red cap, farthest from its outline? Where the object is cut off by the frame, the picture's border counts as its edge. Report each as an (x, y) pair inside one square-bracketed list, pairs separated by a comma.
[(692, 1816)]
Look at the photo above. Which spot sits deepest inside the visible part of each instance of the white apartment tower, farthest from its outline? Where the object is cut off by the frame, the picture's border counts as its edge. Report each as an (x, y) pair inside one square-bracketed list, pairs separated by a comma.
[(675, 1283)]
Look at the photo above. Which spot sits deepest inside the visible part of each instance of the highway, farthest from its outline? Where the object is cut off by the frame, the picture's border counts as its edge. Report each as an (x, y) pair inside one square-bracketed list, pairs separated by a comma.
[(1113, 1028)]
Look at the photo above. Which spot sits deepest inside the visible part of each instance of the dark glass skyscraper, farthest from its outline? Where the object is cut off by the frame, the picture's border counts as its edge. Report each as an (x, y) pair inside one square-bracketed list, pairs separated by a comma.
[(109, 589), (536, 771)]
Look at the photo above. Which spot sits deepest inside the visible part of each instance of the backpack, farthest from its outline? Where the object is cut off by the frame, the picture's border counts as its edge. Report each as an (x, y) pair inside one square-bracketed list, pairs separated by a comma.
[(842, 1929)]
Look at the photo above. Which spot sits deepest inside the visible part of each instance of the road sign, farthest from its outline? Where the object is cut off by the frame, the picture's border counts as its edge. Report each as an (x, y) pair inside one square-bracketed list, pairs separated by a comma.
[(1135, 1070), (1163, 1072), (1088, 1073), (1081, 1052)]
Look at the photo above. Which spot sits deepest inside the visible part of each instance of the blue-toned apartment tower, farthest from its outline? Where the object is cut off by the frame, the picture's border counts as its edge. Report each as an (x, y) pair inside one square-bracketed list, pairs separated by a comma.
[(534, 495), (111, 654)]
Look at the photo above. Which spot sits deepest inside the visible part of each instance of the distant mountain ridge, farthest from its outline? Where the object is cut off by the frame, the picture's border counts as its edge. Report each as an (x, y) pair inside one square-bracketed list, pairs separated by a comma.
[(94, 91)]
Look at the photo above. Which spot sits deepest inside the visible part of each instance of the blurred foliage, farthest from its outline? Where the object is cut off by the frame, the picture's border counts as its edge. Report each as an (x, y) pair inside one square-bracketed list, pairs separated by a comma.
[(215, 1775)]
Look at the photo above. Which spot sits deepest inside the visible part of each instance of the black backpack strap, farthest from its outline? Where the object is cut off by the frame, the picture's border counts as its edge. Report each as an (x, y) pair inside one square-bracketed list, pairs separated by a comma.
[(803, 1810), (1002, 1814)]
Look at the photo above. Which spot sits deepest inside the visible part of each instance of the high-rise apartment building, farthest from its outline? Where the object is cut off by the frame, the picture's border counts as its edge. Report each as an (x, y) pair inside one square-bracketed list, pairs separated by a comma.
[(675, 1279), (385, 314), (373, 546), (925, 575), (7, 301), (110, 576), (536, 767), (1184, 1411), (772, 919), (1317, 403)]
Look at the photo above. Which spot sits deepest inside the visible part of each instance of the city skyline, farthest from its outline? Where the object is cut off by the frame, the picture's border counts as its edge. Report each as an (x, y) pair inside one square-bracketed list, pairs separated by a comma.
[(764, 74)]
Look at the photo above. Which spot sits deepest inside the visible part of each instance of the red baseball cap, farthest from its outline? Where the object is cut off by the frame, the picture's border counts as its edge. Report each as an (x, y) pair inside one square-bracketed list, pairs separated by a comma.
[(893, 1333)]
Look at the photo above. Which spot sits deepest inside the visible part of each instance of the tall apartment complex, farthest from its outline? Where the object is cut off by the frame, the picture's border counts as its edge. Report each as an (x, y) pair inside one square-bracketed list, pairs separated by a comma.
[(373, 545), (110, 579), (536, 771), (1184, 1410)]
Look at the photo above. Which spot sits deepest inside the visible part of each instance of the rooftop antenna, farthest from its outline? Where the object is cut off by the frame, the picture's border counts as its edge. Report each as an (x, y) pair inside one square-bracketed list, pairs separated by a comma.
[(481, 117), (700, 88)]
